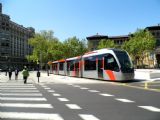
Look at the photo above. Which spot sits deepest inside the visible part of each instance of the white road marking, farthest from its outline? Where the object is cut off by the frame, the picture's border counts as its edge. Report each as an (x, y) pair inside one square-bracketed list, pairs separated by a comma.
[(15, 84), (23, 99), (17, 88), (73, 106), (124, 100), (83, 88), (150, 108), (88, 117), (27, 116), (22, 94), (55, 94), (76, 86), (104, 94), (93, 91), (47, 88), (21, 91), (51, 91), (63, 99), (70, 84), (18, 85), (26, 105)]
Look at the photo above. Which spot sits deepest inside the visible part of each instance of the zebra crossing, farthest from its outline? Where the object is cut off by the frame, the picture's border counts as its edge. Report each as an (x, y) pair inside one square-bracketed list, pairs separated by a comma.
[(17, 100), (17, 96)]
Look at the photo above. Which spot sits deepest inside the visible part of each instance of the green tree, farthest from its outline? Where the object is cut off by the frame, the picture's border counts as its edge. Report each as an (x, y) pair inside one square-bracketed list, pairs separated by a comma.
[(106, 43), (139, 44), (49, 48), (74, 47), (55, 50), (40, 43)]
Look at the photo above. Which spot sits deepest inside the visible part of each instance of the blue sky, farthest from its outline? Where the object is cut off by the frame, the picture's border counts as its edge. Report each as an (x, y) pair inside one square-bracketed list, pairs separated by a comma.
[(83, 18)]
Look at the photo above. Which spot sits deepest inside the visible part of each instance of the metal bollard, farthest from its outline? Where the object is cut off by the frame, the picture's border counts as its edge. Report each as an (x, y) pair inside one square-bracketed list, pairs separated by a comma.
[(38, 75), (48, 72)]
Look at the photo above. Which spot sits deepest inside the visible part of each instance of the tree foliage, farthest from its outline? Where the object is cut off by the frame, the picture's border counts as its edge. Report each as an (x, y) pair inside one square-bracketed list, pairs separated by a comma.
[(106, 43), (74, 47), (49, 48), (139, 44), (40, 43)]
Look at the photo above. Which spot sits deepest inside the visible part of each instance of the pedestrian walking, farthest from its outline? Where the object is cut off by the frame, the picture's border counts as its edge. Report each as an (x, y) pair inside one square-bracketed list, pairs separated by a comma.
[(25, 74), (16, 73), (10, 73)]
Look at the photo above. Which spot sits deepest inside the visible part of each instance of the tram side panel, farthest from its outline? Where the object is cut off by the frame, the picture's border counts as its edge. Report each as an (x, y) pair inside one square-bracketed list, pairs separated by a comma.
[(89, 68), (118, 66), (55, 68), (62, 68), (73, 67), (111, 69), (70, 68), (103, 64)]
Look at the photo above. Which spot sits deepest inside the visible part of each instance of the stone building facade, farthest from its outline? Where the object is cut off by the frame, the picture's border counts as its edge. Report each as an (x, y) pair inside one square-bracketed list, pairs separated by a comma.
[(13, 42), (94, 40)]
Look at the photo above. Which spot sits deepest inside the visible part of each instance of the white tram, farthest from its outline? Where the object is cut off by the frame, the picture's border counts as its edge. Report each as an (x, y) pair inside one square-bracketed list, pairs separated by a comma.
[(105, 64)]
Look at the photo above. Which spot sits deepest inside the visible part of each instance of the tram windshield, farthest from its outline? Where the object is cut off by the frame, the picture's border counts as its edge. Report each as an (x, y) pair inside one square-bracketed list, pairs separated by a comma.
[(125, 62)]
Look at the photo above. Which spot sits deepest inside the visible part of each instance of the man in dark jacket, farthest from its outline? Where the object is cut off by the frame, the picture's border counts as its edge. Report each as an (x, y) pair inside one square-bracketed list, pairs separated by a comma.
[(10, 73)]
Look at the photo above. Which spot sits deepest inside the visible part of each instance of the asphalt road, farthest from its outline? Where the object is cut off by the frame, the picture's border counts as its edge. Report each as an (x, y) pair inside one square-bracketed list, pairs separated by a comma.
[(72, 101)]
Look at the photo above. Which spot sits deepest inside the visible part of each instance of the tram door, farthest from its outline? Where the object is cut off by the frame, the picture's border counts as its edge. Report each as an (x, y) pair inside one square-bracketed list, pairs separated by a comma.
[(68, 68), (77, 69), (100, 67)]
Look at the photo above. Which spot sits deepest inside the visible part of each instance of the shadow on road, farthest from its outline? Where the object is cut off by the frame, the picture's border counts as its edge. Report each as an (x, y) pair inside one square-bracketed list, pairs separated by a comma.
[(132, 81)]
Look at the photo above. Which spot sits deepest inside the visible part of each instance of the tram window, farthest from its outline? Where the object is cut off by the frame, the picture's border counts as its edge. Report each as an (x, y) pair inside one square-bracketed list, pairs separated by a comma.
[(77, 64), (125, 62), (54, 66), (110, 63), (68, 65), (90, 63), (72, 66), (61, 66)]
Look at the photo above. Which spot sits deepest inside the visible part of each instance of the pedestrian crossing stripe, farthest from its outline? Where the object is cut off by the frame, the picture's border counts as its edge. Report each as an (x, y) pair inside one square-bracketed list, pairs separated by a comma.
[(17, 88), (88, 117), (20, 91), (26, 105), (23, 99), (21, 94), (28, 116)]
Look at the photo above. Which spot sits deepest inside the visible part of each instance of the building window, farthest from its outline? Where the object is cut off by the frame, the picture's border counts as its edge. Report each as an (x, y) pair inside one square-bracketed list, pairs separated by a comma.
[(151, 56), (5, 44)]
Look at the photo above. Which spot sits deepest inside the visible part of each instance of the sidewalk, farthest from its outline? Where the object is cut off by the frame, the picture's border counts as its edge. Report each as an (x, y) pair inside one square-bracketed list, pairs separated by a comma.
[(58, 79), (44, 78), (140, 74), (147, 74)]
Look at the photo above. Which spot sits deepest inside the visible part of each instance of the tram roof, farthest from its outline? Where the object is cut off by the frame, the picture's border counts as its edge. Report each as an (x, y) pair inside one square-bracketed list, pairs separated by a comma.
[(101, 51), (73, 58), (62, 60), (55, 62)]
